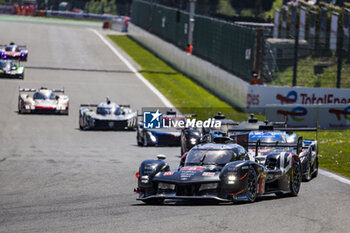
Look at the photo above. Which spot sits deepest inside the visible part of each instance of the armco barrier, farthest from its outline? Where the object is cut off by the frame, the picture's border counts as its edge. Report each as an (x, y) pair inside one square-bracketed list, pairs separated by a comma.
[(68, 14), (225, 85), (6, 10), (327, 116)]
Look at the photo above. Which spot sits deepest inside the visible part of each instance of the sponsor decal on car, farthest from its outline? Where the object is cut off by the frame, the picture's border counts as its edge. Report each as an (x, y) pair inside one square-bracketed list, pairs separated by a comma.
[(168, 173), (208, 174), (192, 169)]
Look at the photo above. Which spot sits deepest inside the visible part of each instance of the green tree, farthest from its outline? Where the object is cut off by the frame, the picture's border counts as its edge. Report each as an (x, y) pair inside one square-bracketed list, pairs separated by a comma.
[(101, 7)]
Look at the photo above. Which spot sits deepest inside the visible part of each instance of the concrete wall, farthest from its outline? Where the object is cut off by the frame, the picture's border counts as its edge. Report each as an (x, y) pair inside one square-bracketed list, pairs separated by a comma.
[(223, 84)]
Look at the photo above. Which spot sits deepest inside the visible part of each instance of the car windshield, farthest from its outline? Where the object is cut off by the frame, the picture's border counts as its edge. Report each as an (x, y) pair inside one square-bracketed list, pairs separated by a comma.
[(208, 157), (5, 64), (10, 48), (44, 96), (226, 126), (108, 111)]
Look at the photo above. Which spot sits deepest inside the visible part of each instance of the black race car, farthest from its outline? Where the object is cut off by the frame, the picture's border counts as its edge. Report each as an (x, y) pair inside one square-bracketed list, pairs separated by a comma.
[(169, 136), (220, 171), (268, 133), (264, 131), (193, 136)]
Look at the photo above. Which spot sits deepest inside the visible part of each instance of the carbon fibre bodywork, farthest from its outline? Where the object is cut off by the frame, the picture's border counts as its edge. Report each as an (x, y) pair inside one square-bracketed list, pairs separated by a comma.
[(237, 179), (13, 51), (10, 70), (106, 116), (43, 100), (166, 136)]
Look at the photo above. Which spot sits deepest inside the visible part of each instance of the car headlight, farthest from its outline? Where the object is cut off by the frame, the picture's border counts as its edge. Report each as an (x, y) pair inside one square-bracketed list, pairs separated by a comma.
[(193, 140), (166, 186), (231, 179), (208, 186), (144, 179), (152, 137)]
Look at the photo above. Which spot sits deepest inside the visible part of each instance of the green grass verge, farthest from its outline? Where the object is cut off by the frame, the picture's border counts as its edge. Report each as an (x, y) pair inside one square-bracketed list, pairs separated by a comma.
[(183, 92), (307, 78), (334, 146)]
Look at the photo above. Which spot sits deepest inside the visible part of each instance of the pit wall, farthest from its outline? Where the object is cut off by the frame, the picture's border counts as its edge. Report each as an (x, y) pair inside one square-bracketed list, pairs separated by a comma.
[(223, 84)]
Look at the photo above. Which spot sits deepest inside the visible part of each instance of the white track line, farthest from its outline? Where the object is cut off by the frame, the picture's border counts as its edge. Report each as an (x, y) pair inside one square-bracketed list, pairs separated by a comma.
[(165, 101), (334, 176)]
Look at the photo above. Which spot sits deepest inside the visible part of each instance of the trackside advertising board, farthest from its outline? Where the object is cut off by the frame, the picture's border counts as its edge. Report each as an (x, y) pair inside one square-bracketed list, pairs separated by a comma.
[(259, 96), (328, 116)]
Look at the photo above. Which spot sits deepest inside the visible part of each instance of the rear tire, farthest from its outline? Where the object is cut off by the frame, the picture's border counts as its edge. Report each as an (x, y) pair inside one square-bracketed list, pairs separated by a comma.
[(307, 177)]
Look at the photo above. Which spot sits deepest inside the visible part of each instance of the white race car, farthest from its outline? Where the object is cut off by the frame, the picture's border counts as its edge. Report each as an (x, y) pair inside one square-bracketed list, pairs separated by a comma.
[(43, 101)]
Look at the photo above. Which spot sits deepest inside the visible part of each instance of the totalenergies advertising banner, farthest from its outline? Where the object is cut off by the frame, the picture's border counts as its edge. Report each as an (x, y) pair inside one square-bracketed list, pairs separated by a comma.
[(327, 116), (259, 96)]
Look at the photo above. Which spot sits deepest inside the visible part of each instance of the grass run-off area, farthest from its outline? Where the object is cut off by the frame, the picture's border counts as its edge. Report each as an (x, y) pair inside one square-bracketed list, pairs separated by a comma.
[(334, 146), (307, 78), (185, 94)]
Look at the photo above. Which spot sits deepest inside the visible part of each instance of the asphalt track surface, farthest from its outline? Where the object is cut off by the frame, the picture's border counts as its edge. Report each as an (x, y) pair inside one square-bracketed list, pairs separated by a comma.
[(56, 178)]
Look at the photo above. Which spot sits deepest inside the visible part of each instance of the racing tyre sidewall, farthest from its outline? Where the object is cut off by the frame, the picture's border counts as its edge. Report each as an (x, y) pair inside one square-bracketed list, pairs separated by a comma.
[(139, 142), (145, 141), (307, 176), (295, 178), (251, 185)]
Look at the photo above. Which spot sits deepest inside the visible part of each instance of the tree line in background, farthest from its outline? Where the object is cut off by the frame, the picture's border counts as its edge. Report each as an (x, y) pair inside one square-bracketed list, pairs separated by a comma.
[(101, 7)]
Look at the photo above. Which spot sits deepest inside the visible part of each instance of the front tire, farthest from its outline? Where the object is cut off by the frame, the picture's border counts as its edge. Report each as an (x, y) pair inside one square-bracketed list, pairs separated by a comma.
[(315, 173), (183, 144), (145, 141), (251, 185), (81, 123), (295, 178), (139, 142)]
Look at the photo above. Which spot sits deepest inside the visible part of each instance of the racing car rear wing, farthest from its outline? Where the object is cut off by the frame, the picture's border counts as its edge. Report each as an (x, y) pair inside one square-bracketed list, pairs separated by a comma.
[(298, 146), (36, 89), (95, 105), (19, 46)]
